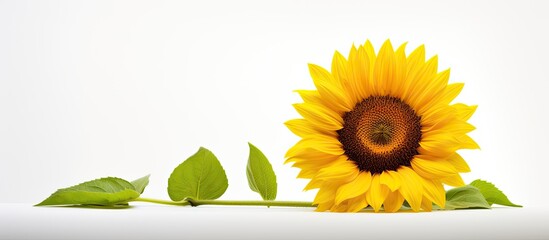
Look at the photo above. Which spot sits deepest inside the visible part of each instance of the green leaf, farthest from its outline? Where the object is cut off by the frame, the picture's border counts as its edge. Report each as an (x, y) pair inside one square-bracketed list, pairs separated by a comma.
[(261, 177), (200, 177), (492, 194), (465, 197), (141, 183), (108, 191)]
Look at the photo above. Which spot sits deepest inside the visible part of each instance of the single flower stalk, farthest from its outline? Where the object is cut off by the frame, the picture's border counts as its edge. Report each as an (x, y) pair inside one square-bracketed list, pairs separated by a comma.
[(381, 129)]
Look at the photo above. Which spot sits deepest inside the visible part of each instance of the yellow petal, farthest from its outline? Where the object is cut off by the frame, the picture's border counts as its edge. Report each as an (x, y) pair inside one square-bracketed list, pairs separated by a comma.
[(343, 172), (443, 99), (314, 164), (391, 179), (414, 62), (313, 184), (467, 143), (371, 54), (393, 202), (301, 148), (434, 191), (439, 145), (341, 72), (303, 128), (421, 79), (300, 152), (432, 169), (416, 59), (454, 180), (438, 134), (356, 204), (340, 207), (458, 162), (397, 87), (320, 116), (377, 193), (353, 53), (426, 204), (384, 68), (330, 89), (311, 96), (308, 174), (452, 91), (438, 116), (433, 87), (457, 127), (359, 65), (322, 207), (339, 68), (326, 193), (354, 188), (307, 163), (463, 111), (411, 188), (325, 144), (370, 51)]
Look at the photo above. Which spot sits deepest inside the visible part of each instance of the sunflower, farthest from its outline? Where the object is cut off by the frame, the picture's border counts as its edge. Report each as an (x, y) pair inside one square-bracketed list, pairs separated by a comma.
[(381, 129)]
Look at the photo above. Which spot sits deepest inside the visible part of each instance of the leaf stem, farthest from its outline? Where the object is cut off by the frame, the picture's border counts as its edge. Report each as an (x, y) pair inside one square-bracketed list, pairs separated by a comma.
[(194, 202)]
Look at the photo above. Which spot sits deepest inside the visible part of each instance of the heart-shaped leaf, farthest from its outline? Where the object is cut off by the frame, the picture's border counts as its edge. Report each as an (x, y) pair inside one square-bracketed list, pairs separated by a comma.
[(141, 183), (108, 191), (465, 197), (492, 194), (261, 177), (200, 177)]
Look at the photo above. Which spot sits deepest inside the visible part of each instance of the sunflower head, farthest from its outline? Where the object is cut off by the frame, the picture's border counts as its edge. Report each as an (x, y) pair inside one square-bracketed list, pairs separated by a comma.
[(380, 129)]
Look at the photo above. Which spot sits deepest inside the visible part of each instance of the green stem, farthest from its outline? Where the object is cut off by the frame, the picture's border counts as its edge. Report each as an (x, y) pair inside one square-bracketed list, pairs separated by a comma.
[(160, 201), (266, 203), (194, 203)]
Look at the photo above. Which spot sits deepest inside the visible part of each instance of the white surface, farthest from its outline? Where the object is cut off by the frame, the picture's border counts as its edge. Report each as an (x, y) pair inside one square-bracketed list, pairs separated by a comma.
[(127, 88), (207, 222)]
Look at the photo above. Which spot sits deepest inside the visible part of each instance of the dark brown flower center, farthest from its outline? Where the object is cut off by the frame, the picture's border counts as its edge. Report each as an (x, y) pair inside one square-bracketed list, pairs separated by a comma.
[(380, 134)]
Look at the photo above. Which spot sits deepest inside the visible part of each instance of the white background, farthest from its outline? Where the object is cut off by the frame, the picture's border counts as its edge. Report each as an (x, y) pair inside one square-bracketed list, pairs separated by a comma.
[(127, 88)]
